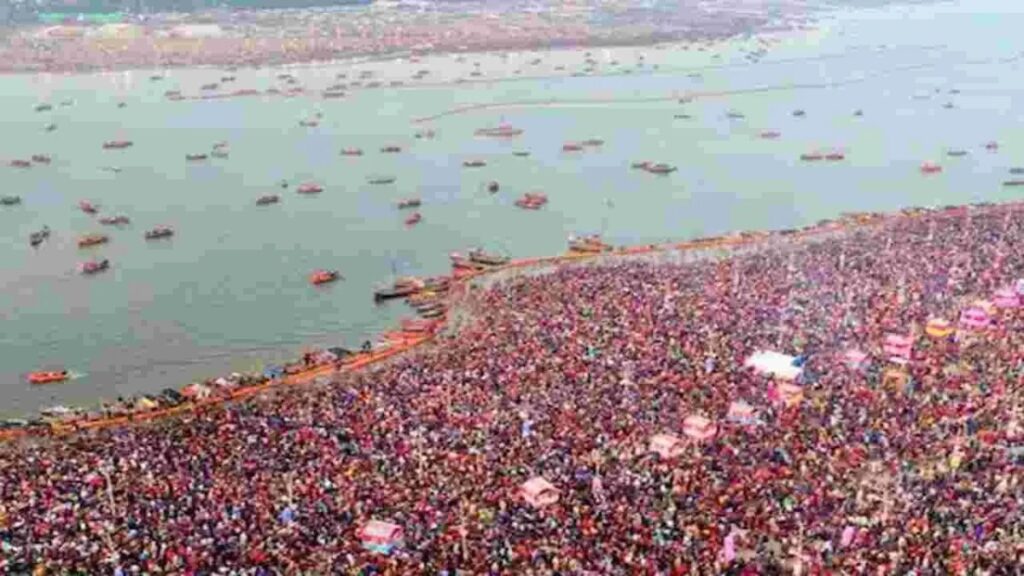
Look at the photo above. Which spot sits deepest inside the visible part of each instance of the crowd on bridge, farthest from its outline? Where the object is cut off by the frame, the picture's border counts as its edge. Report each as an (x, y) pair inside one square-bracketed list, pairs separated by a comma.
[(895, 449)]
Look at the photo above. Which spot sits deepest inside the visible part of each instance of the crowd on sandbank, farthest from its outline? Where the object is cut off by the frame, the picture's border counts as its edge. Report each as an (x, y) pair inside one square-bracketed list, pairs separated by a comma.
[(603, 419)]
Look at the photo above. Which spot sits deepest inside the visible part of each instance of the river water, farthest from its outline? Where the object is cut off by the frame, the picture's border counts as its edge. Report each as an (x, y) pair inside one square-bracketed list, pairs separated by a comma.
[(229, 290)]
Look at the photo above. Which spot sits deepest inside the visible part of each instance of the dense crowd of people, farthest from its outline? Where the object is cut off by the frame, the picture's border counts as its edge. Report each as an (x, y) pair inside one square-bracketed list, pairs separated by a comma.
[(884, 467)]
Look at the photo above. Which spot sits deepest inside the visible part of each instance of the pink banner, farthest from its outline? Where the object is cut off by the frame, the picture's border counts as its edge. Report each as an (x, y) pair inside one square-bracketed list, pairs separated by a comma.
[(974, 318), (898, 347), (1007, 298)]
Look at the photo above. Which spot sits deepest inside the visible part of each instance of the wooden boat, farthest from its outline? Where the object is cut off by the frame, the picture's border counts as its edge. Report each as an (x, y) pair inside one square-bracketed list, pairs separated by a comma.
[(309, 123), (210, 86), (770, 135), (319, 277), (992, 146), (94, 266), (38, 378), (380, 180), (930, 168), (460, 262), (195, 157), (10, 200), (37, 238), (588, 245), (473, 163), (268, 199), (393, 292), (309, 188), (835, 156), (413, 219), (572, 147), (501, 131), (119, 220), (812, 156), (50, 127), (480, 257), (798, 113), (219, 153), (409, 203), (592, 142), (1016, 171), (640, 165), (352, 152), (43, 107), (521, 153), (41, 159), (87, 207), (492, 186), (956, 153), (660, 168), (92, 240), (159, 232), (1013, 183), (391, 149), (532, 201), (20, 164)]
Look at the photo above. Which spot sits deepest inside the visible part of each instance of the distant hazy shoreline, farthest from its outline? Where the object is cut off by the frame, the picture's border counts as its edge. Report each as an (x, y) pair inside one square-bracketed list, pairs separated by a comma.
[(272, 38)]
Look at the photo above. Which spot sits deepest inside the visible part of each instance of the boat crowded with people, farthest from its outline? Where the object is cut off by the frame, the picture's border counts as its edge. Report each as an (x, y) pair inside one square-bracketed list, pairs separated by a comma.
[(588, 245), (94, 266), (479, 256), (532, 200), (159, 232)]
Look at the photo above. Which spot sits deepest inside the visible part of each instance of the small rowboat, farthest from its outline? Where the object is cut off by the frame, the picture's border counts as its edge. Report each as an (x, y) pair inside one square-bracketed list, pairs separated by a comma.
[(309, 188), (319, 277), (38, 378), (92, 240)]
